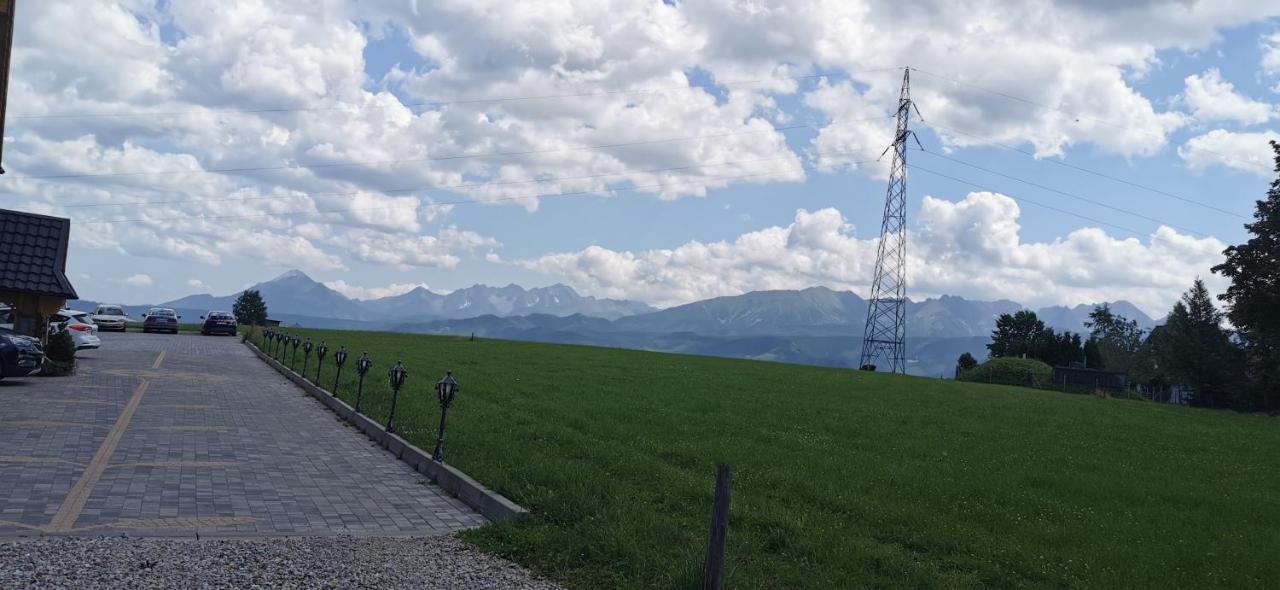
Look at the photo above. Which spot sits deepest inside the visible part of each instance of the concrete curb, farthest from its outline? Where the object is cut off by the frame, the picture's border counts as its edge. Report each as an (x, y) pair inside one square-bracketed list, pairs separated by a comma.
[(491, 504)]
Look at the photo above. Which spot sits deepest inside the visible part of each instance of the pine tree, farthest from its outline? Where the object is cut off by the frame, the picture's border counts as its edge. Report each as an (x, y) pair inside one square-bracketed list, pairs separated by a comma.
[(1253, 298), (1194, 350)]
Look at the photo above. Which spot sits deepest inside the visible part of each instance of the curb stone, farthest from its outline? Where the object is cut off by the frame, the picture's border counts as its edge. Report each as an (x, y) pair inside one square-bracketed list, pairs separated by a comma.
[(491, 504)]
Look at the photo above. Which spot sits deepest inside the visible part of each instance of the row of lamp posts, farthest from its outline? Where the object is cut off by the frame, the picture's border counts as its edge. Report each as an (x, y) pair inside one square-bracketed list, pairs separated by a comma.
[(277, 343)]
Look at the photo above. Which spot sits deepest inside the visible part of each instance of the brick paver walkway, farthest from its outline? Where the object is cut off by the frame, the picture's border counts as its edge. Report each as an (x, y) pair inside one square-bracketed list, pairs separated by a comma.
[(185, 435)]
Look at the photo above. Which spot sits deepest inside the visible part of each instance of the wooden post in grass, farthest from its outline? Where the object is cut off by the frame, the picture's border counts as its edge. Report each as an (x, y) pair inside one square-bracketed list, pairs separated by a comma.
[(713, 569)]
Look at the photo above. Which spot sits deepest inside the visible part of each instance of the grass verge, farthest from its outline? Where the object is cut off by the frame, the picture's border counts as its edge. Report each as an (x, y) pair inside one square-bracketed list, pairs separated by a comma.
[(841, 478)]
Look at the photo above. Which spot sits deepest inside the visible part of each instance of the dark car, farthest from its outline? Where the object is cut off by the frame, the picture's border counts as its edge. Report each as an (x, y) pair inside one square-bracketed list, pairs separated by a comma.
[(218, 322), (160, 319), (19, 355)]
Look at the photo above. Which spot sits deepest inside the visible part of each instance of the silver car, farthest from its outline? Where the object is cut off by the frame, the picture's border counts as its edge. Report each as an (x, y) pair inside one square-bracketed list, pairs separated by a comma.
[(110, 317)]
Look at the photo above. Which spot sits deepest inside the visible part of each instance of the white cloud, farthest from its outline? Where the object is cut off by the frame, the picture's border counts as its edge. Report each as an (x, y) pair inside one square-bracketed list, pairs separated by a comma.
[(358, 292), (406, 251), (1271, 54), (970, 248), (628, 64), (1213, 99), (138, 280), (197, 284), (1250, 152)]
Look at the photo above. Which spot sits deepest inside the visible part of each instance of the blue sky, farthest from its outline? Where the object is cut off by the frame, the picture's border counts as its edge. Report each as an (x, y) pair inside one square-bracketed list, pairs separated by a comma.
[(1173, 99)]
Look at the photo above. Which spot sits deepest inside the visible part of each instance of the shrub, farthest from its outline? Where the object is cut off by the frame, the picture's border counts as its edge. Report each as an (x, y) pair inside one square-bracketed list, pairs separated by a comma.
[(966, 362), (1011, 371), (60, 355)]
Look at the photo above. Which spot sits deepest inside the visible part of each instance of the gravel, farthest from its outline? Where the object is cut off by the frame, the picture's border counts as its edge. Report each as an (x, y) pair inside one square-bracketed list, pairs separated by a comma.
[(290, 562)]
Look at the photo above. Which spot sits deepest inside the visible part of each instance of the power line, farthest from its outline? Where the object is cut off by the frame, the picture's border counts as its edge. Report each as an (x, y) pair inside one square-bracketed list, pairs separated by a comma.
[(1037, 204), (702, 182), (239, 170), (1061, 192), (1086, 170), (441, 103), (1043, 106)]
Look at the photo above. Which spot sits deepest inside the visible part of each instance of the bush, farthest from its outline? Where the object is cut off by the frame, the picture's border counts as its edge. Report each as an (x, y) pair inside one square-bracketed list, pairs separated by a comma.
[(59, 355), (1011, 371)]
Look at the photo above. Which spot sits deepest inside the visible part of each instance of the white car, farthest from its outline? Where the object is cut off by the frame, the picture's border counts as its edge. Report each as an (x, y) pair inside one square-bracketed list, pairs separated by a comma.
[(110, 317), (83, 331)]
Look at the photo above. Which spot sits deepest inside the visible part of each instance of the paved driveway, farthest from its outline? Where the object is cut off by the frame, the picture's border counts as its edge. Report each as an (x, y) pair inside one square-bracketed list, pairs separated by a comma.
[(162, 435)]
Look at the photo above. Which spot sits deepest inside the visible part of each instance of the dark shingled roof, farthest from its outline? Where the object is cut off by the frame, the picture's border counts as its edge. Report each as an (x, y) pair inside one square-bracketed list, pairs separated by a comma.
[(33, 254)]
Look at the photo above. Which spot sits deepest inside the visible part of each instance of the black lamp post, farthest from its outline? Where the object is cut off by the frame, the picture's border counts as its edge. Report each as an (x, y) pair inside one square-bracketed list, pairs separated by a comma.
[(266, 339), (339, 358), (445, 390), (396, 375), (280, 336), (306, 356), (320, 352), (363, 364), (293, 360)]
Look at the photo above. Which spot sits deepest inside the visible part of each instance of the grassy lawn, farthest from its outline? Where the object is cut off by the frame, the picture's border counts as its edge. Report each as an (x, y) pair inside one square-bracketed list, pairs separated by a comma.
[(841, 478)]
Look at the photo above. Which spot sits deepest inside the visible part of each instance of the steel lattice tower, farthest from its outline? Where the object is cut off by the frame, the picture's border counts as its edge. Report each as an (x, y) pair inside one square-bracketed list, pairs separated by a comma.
[(885, 334)]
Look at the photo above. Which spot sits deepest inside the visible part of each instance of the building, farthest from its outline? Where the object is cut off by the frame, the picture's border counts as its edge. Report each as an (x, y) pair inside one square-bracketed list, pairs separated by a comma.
[(33, 268)]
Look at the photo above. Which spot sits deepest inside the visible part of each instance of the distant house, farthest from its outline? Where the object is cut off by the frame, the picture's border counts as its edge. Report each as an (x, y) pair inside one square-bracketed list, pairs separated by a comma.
[(1094, 379), (33, 268), (272, 323)]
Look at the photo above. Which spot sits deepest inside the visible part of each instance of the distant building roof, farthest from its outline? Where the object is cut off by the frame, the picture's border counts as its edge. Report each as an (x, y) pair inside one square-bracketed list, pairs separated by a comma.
[(33, 254)]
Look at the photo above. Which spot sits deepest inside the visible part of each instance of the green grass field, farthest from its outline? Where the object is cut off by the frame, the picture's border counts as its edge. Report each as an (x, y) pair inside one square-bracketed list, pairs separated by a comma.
[(842, 479)]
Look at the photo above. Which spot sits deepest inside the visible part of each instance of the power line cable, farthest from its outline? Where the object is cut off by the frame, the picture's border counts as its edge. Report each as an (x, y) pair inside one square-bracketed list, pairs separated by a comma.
[(441, 103), (1061, 192), (1036, 203), (240, 170), (1086, 170)]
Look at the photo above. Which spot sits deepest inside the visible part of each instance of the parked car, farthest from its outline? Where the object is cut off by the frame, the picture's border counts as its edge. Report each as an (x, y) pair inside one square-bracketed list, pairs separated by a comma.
[(110, 317), (6, 318), (160, 319), (19, 355), (218, 322), (83, 331)]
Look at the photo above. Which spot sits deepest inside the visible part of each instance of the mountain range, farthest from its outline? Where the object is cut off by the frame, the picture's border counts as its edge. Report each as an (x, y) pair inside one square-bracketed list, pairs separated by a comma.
[(816, 326)]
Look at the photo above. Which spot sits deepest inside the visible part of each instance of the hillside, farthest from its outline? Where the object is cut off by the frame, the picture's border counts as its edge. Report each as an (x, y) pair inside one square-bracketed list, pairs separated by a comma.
[(842, 479)]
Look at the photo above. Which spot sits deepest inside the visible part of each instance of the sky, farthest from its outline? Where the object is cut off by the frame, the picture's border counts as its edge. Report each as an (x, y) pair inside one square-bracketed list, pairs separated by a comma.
[(1073, 152)]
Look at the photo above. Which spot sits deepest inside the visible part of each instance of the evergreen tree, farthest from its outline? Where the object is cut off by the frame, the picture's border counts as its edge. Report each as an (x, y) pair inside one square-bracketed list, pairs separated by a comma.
[(250, 309), (1093, 354), (1253, 298), (1016, 334), (1117, 338), (1194, 350), (966, 362)]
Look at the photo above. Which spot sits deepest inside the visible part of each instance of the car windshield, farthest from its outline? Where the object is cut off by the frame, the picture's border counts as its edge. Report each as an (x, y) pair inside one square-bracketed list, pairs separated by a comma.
[(110, 311), (162, 312), (81, 317)]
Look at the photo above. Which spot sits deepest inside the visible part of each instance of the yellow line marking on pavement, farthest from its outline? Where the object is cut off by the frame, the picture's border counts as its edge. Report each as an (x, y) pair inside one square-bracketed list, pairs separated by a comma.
[(94, 402), (20, 423), (19, 525), (79, 494), (172, 523), (159, 359), (30, 459), (174, 464)]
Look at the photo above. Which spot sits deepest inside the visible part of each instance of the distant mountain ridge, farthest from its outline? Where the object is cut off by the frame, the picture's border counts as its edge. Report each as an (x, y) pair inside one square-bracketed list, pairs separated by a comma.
[(816, 326), (296, 293)]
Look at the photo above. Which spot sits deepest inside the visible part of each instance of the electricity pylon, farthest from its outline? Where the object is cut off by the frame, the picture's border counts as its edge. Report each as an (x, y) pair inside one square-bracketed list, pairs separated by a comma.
[(884, 338)]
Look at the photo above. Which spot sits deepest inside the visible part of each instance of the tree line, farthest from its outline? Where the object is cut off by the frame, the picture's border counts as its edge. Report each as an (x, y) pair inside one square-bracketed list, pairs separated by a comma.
[(1226, 359)]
